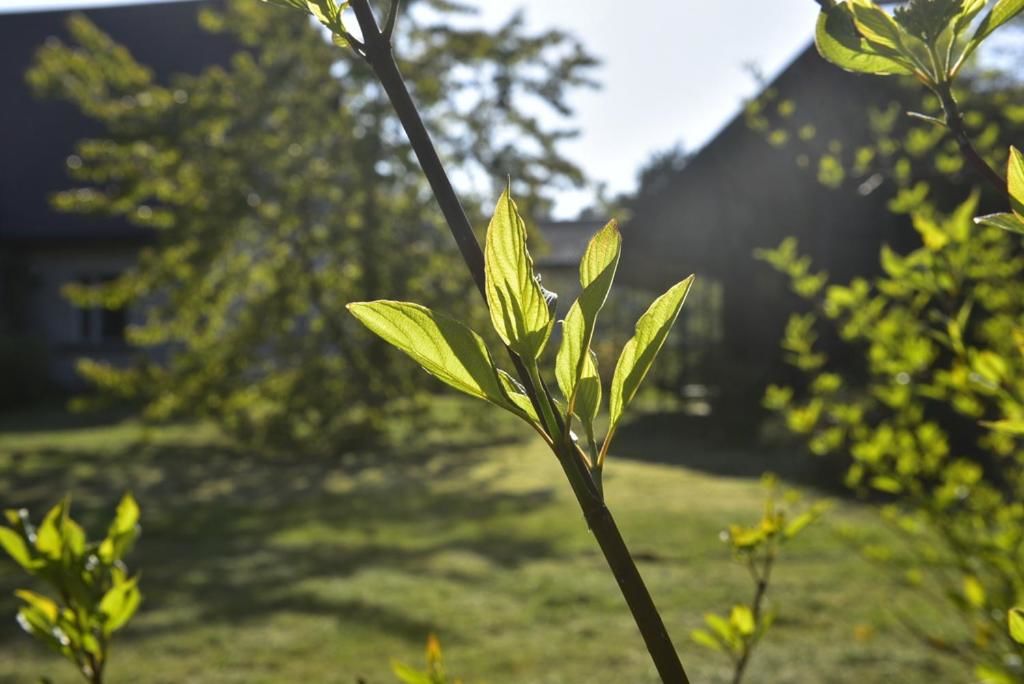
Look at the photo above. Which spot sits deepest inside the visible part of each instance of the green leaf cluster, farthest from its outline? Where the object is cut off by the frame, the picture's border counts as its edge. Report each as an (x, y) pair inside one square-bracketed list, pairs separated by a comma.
[(931, 419), (929, 39), (757, 548), (523, 318), (95, 595)]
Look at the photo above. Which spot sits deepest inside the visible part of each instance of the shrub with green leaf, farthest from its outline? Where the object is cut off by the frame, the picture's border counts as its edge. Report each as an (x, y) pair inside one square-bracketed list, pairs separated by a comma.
[(91, 593), (757, 548), (928, 420)]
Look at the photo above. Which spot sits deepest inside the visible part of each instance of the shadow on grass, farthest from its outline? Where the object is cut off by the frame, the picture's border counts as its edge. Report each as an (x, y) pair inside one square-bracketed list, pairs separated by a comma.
[(697, 443), (231, 536)]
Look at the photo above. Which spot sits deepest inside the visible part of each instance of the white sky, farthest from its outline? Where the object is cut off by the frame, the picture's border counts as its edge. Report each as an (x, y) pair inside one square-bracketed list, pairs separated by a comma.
[(673, 70)]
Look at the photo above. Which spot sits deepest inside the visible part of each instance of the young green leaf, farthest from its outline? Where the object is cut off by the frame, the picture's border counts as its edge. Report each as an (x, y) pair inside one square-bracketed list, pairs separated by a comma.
[(46, 608), (519, 311), (119, 604), (588, 395), (837, 41), (122, 532), (597, 271), (1002, 12), (516, 394), (444, 347), (50, 535), (17, 548), (742, 620), (1015, 181), (1016, 622), (1010, 222), (706, 639), (640, 351), (877, 26)]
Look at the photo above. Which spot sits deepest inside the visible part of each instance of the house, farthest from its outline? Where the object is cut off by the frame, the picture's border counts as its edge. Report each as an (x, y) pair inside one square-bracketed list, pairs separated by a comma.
[(40, 249), (754, 184)]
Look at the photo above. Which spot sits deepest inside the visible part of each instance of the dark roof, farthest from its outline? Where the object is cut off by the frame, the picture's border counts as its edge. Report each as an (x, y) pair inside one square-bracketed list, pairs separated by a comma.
[(566, 241), (36, 136)]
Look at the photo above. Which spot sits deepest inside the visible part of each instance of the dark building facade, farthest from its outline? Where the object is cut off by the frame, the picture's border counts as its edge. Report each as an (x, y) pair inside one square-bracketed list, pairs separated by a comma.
[(41, 249)]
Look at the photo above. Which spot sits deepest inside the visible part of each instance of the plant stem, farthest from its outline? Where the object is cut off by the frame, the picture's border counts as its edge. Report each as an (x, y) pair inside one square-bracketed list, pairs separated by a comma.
[(377, 52), (761, 581), (955, 124)]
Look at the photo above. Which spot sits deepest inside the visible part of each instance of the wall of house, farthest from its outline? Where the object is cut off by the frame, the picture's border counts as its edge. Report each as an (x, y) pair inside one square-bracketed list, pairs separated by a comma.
[(69, 332)]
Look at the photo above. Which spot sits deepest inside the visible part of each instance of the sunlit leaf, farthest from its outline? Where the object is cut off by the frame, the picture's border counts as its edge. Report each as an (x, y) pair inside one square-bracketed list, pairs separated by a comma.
[(516, 394), (119, 604), (444, 347), (1015, 182), (122, 532), (640, 351), (519, 311), (974, 591), (1002, 11), (16, 547), (706, 639), (877, 26), (1016, 622), (408, 675), (742, 620), (45, 606), (1013, 427), (1008, 222), (838, 41), (574, 365)]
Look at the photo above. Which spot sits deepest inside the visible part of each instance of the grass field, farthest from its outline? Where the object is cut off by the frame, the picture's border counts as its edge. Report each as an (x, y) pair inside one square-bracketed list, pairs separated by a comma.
[(294, 569)]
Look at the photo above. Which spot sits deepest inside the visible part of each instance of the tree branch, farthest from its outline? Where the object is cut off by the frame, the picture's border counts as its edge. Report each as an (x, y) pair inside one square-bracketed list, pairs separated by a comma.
[(955, 124), (378, 55)]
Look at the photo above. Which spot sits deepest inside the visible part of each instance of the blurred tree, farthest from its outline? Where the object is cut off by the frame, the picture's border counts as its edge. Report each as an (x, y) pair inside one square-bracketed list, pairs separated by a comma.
[(281, 187)]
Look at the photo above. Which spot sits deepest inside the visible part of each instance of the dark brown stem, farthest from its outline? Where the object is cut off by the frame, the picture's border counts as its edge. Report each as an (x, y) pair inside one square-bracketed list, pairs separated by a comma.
[(955, 124), (377, 51), (761, 581)]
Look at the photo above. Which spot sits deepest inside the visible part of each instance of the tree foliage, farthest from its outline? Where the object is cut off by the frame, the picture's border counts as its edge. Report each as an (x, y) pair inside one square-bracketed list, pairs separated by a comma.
[(923, 391), (278, 187)]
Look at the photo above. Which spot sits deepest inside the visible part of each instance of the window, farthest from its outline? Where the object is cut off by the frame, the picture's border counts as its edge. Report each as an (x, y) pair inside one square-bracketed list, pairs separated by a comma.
[(97, 325)]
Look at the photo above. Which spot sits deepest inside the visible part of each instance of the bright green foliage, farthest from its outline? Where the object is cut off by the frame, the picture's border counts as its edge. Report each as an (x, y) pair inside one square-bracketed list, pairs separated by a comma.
[(522, 316), (277, 190), (1015, 620), (435, 672), (641, 350), (930, 39), (95, 595), (444, 347), (1014, 221), (576, 364), (518, 306), (757, 548), (943, 348)]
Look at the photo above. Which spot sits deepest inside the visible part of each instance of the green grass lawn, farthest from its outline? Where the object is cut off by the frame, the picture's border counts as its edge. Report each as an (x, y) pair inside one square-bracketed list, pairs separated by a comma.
[(301, 569)]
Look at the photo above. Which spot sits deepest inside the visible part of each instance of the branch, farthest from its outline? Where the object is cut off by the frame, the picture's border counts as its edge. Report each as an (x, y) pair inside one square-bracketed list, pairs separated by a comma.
[(955, 124), (378, 55)]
